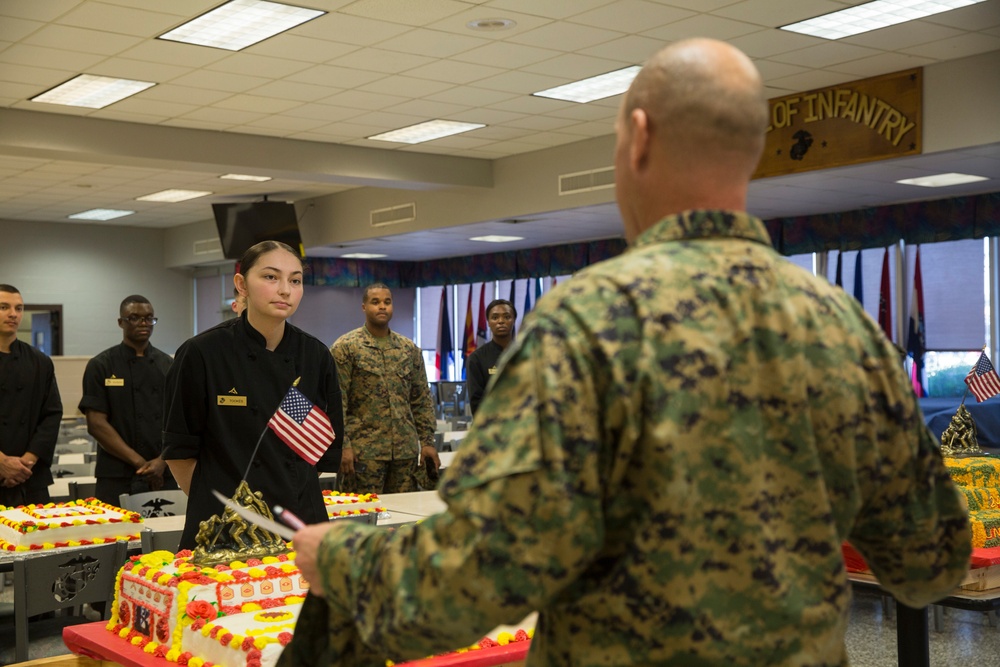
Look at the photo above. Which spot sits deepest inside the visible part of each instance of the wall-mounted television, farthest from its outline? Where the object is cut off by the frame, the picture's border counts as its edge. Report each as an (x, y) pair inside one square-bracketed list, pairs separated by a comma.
[(243, 225)]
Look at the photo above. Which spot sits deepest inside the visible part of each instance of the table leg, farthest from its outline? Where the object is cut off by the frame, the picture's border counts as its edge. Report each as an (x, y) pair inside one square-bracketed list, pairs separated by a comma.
[(912, 640)]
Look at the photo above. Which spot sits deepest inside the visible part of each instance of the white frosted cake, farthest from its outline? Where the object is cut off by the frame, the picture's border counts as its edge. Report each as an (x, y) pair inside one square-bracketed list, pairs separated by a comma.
[(70, 524), (168, 606), (340, 505)]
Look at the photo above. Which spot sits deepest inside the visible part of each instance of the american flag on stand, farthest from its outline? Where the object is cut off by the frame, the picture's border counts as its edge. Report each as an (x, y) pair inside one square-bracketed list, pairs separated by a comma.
[(302, 426), (983, 380)]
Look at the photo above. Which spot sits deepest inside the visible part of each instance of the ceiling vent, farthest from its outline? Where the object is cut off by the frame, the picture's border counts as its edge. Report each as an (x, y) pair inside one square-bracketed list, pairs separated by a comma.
[(393, 215), (207, 247), (587, 181)]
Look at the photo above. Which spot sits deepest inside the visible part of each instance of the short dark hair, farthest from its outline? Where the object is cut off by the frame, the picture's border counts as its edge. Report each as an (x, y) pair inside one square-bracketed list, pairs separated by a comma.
[(133, 298), (4, 287), (500, 302), (364, 295)]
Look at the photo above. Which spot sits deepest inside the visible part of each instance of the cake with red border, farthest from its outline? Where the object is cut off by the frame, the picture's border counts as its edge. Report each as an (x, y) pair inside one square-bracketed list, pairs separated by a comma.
[(69, 524), (341, 505)]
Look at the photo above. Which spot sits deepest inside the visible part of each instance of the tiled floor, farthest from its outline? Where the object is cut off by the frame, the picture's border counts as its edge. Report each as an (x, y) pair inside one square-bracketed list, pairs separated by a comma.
[(966, 639)]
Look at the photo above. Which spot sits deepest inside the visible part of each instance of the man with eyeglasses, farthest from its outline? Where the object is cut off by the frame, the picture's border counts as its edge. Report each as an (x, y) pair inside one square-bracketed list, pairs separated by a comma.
[(482, 364), (123, 402)]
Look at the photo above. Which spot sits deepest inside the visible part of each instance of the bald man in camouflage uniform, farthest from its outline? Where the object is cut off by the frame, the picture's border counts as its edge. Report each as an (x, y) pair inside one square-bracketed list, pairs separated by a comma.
[(676, 446), (388, 411)]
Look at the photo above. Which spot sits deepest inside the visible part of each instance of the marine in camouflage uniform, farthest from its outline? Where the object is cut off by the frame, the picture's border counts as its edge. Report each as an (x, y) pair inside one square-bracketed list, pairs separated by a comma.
[(669, 460), (388, 410)]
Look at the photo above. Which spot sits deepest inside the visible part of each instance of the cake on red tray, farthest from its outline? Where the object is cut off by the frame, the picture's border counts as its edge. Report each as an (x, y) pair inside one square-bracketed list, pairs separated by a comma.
[(238, 614), (69, 524)]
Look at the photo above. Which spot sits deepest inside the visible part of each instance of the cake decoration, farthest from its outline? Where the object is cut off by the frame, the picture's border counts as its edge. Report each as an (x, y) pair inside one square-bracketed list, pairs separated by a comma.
[(231, 537)]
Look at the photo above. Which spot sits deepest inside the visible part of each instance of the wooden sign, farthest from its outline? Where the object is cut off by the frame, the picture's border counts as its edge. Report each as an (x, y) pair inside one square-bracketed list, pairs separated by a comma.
[(862, 121)]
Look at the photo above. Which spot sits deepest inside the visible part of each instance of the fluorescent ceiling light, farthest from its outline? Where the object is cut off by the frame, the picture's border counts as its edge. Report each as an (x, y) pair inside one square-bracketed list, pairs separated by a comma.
[(240, 23), (595, 88), (173, 196), (101, 214), (421, 132), (943, 180), (245, 177), (362, 255), (93, 92), (872, 16), (497, 238)]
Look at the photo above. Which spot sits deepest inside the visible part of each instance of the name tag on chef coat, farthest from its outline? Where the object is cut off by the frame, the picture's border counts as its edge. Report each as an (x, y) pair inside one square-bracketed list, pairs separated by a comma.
[(238, 401), (493, 371), (114, 382)]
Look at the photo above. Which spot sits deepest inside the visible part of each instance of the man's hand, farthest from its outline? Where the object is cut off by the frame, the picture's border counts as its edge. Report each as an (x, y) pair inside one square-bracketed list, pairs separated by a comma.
[(430, 452), (153, 470), (347, 460), (306, 543), (14, 470)]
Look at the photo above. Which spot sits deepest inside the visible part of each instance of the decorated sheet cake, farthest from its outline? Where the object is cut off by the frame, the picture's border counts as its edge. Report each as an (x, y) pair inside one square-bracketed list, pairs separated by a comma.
[(340, 505), (70, 524)]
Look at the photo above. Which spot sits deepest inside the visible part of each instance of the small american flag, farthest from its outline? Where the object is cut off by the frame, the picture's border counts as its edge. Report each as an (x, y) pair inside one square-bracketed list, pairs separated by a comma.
[(302, 426), (983, 380)]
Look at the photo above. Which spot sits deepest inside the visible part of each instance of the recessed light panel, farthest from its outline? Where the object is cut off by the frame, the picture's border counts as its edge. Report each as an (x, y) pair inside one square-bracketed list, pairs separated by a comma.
[(92, 92), (872, 16), (240, 23), (173, 196), (245, 177), (101, 214), (421, 132), (497, 238), (943, 180), (595, 88), (363, 255)]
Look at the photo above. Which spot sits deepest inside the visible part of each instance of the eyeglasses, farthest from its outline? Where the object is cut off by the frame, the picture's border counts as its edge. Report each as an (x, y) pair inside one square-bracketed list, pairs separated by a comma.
[(135, 319)]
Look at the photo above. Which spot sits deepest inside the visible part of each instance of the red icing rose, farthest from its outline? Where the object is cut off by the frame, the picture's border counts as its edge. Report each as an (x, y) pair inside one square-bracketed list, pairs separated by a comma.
[(284, 638), (201, 609), (183, 658), (162, 630), (253, 654), (247, 644), (184, 553), (198, 624), (161, 651), (486, 642), (225, 638), (521, 636), (253, 562)]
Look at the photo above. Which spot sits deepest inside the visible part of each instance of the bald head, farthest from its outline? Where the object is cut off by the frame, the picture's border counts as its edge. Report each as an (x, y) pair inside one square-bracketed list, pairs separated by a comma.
[(690, 132)]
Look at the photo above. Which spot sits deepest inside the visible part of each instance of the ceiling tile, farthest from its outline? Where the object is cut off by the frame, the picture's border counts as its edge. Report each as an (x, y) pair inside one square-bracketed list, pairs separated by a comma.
[(174, 53), (565, 36), (227, 116), (38, 11), (169, 92), (324, 112), (766, 43), (571, 66), (41, 77), (553, 9), (703, 24), (973, 17), (432, 43), (775, 13), (256, 103), (359, 99), (298, 47), (265, 66), (901, 36), (406, 86), (504, 54), (284, 125), (880, 64), (349, 29), (134, 69), (428, 109), (824, 55), (811, 80), (524, 83), (487, 116), (150, 107), (78, 39), (339, 77), (543, 123), (630, 16), (469, 96), (290, 90), (453, 71), (956, 47), (40, 56), (380, 60), (633, 49), (233, 83), (100, 16), (459, 23), (408, 13)]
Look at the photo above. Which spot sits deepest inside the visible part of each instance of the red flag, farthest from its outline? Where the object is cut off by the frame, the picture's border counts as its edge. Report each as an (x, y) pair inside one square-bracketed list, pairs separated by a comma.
[(481, 324), (885, 299), (468, 336), (302, 426), (983, 380)]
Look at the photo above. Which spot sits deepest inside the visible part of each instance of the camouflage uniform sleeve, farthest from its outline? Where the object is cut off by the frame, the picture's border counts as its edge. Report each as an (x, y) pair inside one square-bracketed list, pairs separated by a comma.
[(914, 530), (341, 351), (524, 519), (421, 403)]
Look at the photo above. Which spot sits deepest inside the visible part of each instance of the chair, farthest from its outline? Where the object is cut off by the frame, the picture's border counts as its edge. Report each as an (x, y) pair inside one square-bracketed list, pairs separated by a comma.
[(53, 581), (155, 503), (160, 540), (451, 400), (81, 490), (60, 470)]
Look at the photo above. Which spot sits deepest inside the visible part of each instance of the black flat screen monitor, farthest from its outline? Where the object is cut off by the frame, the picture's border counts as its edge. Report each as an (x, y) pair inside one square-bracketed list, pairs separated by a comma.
[(243, 225)]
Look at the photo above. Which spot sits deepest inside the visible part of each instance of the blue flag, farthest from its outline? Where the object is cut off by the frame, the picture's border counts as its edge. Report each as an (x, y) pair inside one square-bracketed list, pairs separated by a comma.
[(840, 276), (445, 357)]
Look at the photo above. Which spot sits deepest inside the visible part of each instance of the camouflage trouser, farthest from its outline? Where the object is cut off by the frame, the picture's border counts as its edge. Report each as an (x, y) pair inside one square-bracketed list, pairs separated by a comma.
[(372, 476)]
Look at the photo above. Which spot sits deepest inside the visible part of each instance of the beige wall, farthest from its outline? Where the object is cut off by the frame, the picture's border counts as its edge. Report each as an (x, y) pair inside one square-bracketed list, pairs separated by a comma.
[(69, 377)]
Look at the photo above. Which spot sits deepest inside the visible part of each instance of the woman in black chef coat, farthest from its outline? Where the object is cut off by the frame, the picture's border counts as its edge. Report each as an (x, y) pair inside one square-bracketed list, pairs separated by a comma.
[(227, 382)]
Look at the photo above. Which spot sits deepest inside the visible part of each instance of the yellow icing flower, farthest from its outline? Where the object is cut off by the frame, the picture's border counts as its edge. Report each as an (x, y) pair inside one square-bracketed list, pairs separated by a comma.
[(250, 606), (74, 543), (173, 654), (504, 638), (196, 662), (288, 567), (269, 560), (136, 641), (260, 643), (150, 647), (207, 628), (236, 641), (48, 545), (236, 564), (256, 573), (294, 599), (164, 579), (224, 577)]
